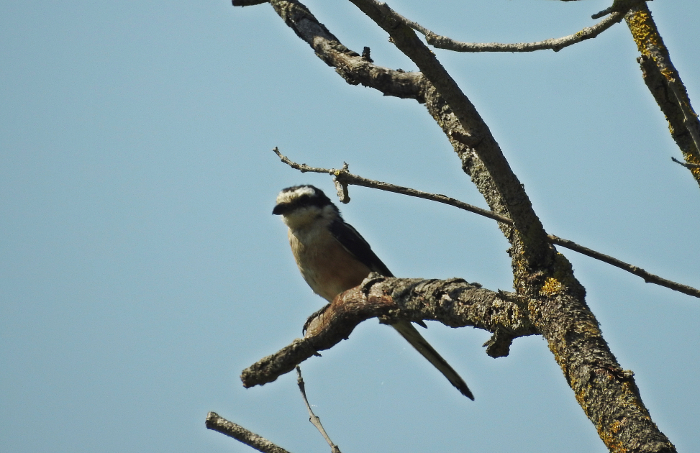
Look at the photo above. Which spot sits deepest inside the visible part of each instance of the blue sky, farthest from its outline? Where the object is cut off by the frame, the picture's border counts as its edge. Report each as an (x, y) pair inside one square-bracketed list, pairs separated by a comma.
[(141, 269)]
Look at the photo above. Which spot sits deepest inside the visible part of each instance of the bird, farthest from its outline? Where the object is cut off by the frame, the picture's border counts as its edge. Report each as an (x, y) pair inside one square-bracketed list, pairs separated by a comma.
[(333, 257)]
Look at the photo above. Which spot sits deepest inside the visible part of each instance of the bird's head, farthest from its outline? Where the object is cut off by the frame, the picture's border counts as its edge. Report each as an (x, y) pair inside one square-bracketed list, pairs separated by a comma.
[(300, 206)]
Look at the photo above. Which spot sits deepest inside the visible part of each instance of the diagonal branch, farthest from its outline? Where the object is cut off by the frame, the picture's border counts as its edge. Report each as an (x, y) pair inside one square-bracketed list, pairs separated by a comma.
[(350, 65), (313, 418), (509, 192), (454, 303), (217, 423), (665, 84), (344, 177)]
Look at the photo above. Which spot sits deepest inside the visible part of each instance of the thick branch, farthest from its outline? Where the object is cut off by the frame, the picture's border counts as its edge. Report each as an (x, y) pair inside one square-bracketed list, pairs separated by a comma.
[(664, 83), (607, 393), (354, 68), (220, 424), (530, 241), (454, 303)]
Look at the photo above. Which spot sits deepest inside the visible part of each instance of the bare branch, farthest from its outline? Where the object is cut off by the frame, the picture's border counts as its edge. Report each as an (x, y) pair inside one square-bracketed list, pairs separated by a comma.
[(350, 65), (454, 303), (555, 44), (639, 272), (610, 391), (312, 417), (345, 178), (665, 84), (248, 2), (684, 164), (220, 424)]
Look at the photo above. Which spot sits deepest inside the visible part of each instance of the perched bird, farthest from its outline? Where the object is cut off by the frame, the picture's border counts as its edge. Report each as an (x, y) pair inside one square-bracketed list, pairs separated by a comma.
[(333, 257)]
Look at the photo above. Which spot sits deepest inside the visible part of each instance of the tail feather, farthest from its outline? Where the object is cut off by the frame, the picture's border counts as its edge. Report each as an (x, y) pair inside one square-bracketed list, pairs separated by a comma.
[(406, 329)]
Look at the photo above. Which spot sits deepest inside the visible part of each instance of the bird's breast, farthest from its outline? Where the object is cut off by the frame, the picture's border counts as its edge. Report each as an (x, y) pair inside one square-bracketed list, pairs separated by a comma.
[(328, 268)]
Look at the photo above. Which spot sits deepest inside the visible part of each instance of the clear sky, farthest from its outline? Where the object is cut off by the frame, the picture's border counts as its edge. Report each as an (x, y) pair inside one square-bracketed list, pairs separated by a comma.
[(141, 269)]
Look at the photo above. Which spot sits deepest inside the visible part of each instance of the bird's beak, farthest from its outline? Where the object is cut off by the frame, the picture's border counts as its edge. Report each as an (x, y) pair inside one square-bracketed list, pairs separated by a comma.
[(279, 209)]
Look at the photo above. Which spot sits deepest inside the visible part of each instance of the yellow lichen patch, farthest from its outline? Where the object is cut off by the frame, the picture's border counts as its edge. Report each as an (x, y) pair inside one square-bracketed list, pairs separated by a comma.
[(551, 286), (643, 31), (563, 270), (587, 328), (668, 73), (615, 427), (691, 159), (609, 440)]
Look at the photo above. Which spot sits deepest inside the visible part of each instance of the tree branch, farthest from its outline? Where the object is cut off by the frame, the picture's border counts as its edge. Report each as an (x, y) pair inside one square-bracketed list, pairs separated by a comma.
[(345, 178), (664, 82), (350, 65), (248, 2), (683, 164), (312, 417), (454, 303), (607, 392), (638, 271), (555, 44), (220, 424), (509, 192)]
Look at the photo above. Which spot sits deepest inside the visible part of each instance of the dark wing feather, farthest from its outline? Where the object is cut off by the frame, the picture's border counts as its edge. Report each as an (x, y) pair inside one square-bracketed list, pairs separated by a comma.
[(356, 244)]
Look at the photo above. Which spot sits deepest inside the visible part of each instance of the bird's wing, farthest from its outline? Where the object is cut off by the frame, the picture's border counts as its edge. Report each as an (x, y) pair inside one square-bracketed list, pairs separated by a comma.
[(354, 243)]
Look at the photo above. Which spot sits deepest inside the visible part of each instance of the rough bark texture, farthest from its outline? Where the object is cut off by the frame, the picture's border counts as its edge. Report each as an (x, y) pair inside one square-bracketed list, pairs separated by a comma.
[(665, 84), (554, 304), (454, 303), (220, 424)]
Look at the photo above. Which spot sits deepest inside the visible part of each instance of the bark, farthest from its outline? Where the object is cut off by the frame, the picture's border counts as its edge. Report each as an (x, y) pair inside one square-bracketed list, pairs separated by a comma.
[(454, 303), (549, 301), (665, 84)]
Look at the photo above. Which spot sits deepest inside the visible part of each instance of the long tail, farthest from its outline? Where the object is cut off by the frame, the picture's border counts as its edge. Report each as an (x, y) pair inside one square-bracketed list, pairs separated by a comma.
[(406, 329)]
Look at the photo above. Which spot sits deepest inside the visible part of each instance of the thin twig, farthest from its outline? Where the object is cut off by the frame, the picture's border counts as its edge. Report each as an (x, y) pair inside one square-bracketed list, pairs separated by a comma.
[(555, 44), (345, 178), (248, 2), (688, 166), (312, 417), (217, 423), (639, 272)]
